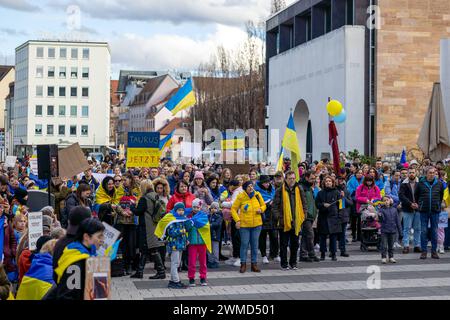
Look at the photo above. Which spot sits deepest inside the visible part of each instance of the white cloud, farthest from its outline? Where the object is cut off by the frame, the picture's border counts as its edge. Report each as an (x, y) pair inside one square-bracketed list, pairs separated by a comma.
[(20, 5), (169, 51)]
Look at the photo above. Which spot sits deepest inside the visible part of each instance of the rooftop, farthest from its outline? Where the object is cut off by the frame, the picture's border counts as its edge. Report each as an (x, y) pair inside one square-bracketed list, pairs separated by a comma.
[(4, 71), (63, 42)]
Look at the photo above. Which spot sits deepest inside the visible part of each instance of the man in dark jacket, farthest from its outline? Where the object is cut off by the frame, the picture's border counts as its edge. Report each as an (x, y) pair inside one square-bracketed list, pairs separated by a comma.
[(411, 216), (429, 194), (288, 237), (344, 213), (307, 252)]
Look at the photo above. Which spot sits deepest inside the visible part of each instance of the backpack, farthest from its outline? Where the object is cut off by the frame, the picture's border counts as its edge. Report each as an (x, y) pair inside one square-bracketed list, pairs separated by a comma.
[(159, 208)]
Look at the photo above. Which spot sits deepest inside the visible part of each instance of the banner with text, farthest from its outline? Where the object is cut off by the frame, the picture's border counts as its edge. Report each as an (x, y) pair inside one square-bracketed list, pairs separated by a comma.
[(143, 149)]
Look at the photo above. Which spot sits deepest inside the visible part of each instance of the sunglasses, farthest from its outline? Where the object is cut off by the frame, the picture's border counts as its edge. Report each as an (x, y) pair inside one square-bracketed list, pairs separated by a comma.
[(117, 180)]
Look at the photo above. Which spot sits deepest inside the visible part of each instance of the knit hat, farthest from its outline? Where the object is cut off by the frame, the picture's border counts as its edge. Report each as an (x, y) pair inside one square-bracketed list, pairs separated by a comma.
[(214, 205), (41, 241), (226, 204), (199, 175), (29, 183), (197, 202), (246, 184), (178, 205), (76, 216), (47, 223), (234, 183), (264, 179)]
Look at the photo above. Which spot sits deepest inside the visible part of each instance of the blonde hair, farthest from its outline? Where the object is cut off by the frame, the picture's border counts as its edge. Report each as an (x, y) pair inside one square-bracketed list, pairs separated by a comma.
[(146, 186), (49, 246), (18, 217)]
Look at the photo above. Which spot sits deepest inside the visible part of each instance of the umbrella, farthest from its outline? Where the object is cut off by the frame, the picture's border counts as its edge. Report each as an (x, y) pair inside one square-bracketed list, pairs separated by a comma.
[(433, 138), (334, 146)]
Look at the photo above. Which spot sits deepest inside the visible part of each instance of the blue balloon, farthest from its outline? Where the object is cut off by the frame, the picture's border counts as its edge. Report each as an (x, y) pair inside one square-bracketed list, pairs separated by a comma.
[(341, 117)]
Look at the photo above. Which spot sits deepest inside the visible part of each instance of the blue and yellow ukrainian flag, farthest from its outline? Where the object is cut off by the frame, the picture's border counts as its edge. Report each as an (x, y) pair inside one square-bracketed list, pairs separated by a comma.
[(38, 280), (341, 204), (290, 142), (280, 160), (166, 142), (73, 253), (446, 194), (184, 98), (233, 142)]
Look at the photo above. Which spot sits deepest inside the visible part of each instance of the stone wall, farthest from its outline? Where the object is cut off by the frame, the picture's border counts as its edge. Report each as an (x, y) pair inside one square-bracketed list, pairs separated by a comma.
[(408, 59)]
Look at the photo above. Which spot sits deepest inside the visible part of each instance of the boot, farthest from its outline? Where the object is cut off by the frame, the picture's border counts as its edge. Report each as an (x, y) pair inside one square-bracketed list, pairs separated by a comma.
[(255, 268), (243, 268), (322, 256), (137, 275), (159, 267), (140, 267)]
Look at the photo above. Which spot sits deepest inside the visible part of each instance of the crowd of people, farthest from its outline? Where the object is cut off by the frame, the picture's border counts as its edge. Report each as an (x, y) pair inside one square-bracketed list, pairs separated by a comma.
[(160, 213)]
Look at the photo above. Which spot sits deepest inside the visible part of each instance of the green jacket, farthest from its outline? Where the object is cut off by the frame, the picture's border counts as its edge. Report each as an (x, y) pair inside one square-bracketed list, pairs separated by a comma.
[(310, 203)]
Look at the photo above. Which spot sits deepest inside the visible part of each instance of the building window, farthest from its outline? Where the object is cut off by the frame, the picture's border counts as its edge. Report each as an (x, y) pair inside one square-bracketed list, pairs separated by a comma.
[(73, 130), (84, 130), (38, 111), (85, 73), (39, 91), (50, 91), (61, 130), (39, 52), (51, 53), (86, 53), (349, 12), (85, 92), (73, 91), (62, 91), (51, 72), (62, 53), (73, 111), (50, 110), (85, 111), (74, 53), (49, 129), (39, 72), (74, 72), (62, 111), (38, 129), (62, 72)]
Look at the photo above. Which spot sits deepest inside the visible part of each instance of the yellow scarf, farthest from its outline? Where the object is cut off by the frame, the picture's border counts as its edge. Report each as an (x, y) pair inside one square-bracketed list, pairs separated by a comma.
[(299, 213), (102, 197)]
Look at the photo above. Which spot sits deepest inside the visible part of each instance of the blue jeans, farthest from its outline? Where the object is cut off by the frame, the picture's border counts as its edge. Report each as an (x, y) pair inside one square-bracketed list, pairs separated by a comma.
[(249, 236), (433, 217), (411, 220)]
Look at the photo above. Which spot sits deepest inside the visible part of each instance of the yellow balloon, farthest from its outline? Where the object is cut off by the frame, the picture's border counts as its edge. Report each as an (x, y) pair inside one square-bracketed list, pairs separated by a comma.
[(334, 108)]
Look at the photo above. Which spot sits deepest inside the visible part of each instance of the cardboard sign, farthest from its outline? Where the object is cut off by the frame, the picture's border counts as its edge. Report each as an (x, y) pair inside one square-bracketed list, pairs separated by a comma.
[(35, 228), (72, 161), (111, 236), (10, 161), (98, 279), (143, 150)]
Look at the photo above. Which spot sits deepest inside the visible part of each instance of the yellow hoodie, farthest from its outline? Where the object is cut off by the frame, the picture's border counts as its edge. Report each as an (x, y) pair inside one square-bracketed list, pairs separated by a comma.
[(247, 207)]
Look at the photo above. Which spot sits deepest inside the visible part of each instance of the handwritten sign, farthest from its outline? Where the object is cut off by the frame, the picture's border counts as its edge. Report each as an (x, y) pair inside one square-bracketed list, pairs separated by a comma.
[(111, 235), (35, 229), (98, 279), (143, 149)]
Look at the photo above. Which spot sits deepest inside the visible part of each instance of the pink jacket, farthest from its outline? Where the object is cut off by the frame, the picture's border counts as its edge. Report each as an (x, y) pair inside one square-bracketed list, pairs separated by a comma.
[(364, 194)]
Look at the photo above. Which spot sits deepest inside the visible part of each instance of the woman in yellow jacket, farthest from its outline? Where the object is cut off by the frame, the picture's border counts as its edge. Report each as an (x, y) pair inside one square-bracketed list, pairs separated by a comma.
[(247, 212)]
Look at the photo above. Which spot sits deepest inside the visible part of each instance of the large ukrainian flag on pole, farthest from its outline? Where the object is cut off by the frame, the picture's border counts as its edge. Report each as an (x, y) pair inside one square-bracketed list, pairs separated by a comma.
[(290, 142), (166, 142), (184, 98)]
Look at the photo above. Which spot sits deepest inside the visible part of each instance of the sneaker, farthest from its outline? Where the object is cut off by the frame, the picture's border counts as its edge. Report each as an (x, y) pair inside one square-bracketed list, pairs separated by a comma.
[(317, 247), (397, 245), (294, 267), (228, 243), (237, 262), (191, 282), (285, 268), (441, 250), (230, 261), (383, 260), (265, 260), (203, 282), (277, 259), (392, 260), (176, 285), (423, 255)]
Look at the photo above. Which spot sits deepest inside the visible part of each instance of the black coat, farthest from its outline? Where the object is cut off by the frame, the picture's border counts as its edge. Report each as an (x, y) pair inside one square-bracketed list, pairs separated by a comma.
[(328, 221), (71, 202), (429, 195), (344, 214), (405, 195)]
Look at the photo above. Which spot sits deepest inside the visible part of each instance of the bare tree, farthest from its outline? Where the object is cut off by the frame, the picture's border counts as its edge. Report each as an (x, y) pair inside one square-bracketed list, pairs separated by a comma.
[(277, 5)]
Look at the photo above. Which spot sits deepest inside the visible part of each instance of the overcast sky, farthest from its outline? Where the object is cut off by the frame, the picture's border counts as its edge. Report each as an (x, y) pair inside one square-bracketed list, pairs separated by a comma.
[(143, 34)]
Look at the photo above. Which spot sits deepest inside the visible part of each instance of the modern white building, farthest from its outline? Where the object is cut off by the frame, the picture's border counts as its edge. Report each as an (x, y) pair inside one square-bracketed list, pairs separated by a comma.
[(62, 94)]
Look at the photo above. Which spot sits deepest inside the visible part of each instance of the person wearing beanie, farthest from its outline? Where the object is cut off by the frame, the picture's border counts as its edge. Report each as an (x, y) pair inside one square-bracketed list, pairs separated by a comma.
[(247, 211), (267, 191), (200, 190)]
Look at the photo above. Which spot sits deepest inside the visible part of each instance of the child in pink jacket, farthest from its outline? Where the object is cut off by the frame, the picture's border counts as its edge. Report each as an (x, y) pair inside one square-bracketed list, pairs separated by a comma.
[(366, 192)]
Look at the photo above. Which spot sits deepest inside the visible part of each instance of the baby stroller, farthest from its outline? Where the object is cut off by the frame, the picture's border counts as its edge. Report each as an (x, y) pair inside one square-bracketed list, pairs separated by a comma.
[(370, 228)]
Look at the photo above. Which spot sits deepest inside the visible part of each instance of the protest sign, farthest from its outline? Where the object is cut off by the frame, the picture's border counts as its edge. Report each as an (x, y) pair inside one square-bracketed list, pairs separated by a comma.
[(111, 235), (143, 150), (34, 165), (72, 161), (98, 279), (35, 229), (10, 161)]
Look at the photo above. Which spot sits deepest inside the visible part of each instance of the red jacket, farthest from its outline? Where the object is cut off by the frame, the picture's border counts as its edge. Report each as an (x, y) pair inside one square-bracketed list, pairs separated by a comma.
[(364, 194), (9, 249), (186, 198), (24, 263)]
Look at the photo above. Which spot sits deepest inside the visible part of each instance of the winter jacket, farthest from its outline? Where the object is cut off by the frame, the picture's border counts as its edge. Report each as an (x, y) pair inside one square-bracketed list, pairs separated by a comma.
[(328, 221), (93, 183), (406, 195), (364, 194), (71, 202), (429, 195), (353, 184), (392, 189), (247, 205), (215, 223), (347, 202), (9, 248), (311, 212), (277, 205), (269, 221), (172, 183), (177, 235), (380, 183), (390, 220), (145, 210), (194, 236), (186, 198)]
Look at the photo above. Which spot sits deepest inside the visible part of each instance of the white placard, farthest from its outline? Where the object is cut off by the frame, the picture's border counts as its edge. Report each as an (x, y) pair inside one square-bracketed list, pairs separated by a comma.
[(191, 150), (35, 228), (34, 165), (10, 161), (111, 236)]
